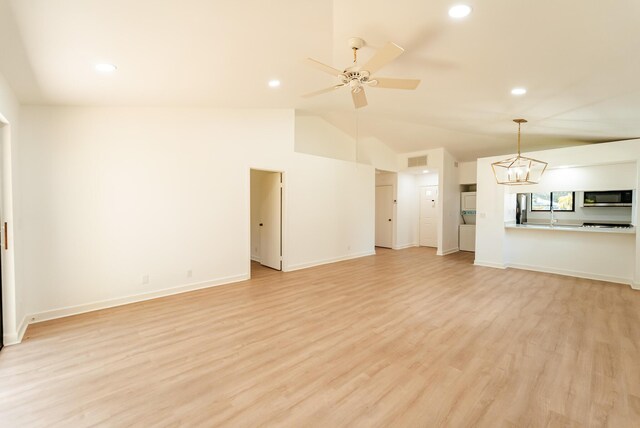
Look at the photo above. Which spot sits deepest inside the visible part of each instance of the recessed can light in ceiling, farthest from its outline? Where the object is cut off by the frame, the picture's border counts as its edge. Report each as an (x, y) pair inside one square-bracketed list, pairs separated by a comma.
[(425, 171), (518, 91), (274, 83), (105, 68), (459, 11)]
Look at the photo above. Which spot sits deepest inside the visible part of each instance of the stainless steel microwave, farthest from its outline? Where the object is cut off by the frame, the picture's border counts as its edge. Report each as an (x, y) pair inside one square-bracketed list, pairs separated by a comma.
[(610, 198)]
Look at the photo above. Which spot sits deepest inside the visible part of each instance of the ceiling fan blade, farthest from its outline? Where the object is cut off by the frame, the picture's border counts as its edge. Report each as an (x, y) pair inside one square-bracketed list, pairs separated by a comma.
[(359, 98), (384, 56), (323, 67), (322, 91), (390, 83)]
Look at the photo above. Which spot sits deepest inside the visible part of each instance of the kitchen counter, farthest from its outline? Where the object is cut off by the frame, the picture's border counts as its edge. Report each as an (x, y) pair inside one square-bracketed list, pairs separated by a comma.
[(571, 228)]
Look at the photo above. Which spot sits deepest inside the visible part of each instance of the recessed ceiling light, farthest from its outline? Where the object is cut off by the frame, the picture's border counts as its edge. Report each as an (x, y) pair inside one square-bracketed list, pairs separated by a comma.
[(274, 83), (424, 171), (106, 68), (459, 11), (518, 91)]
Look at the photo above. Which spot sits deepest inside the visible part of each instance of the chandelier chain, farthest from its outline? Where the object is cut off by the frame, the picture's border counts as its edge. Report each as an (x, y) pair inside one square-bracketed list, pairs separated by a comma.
[(519, 124)]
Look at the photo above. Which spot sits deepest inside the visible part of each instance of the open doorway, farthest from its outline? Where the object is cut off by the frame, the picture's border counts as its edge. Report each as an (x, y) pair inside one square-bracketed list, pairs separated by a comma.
[(386, 183), (266, 219)]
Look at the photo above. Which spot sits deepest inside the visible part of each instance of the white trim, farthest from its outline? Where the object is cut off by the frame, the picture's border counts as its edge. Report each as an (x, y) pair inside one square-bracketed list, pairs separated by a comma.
[(489, 264), (577, 274), (104, 304), (327, 261), (255, 259), (447, 252), (635, 285), (404, 246), (15, 338)]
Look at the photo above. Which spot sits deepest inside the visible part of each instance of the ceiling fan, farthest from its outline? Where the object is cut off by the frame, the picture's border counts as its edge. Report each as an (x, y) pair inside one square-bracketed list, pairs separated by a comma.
[(357, 77)]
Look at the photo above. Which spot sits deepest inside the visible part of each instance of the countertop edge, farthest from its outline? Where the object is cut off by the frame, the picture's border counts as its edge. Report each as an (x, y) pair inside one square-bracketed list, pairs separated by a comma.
[(629, 231)]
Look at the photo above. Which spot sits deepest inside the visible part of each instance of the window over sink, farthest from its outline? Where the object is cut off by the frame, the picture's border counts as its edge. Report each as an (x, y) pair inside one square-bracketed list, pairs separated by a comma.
[(562, 201)]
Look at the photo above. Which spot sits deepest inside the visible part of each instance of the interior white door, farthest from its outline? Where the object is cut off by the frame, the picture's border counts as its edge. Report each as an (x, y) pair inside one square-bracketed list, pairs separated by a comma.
[(271, 221), (429, 216), (384, 216)]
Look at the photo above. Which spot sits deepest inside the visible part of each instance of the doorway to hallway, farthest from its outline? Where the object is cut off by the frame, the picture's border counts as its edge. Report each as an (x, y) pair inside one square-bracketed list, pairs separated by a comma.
[(266, 218)]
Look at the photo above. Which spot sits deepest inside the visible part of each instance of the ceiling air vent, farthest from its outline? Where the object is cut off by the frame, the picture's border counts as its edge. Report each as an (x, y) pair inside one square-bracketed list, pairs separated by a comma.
[(417, 161)]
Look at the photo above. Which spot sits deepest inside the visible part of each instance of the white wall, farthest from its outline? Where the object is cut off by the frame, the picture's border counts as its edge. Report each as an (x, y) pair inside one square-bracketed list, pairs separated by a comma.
[(14, 306), (372, 151), (429, 179), (450, 205), (407, 212), (595, 167), (113, 194), (603, 256), (467, 172), (315, 135)]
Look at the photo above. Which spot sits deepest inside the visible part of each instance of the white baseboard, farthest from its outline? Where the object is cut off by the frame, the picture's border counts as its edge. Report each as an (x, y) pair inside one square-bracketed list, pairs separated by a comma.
[(104, 304), (327, 261), (577, 274), (489, 264), (404, 246), (15, 338), (635, 285), (255, 259), (447, 252)]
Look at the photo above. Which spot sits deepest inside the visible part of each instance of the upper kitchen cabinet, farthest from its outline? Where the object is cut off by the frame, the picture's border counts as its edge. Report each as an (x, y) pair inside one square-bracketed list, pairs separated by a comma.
[(467, 172)]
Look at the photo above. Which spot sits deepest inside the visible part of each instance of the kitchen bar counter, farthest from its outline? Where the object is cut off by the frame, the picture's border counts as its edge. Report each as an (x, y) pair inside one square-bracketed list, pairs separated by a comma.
[(571, 228)]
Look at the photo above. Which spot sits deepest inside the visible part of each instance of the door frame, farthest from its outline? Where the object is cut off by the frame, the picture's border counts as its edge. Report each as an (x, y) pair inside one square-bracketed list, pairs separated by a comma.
[(393, 215), (283, 217), (12, 331)]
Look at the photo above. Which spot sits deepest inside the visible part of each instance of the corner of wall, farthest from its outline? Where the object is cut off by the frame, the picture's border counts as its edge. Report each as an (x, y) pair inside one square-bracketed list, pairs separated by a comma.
[(16, 337)]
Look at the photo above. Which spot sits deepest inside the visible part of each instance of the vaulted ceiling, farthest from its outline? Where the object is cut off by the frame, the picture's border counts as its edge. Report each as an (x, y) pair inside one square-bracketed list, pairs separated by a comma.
[(577, 58)]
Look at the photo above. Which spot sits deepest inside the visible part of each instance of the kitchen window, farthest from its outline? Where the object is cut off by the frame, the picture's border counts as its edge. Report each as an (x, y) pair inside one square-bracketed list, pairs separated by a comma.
[(562, 201)]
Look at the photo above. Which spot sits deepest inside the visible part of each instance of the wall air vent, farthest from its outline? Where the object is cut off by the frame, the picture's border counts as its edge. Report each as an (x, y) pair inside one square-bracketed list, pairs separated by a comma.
[(417, 161)]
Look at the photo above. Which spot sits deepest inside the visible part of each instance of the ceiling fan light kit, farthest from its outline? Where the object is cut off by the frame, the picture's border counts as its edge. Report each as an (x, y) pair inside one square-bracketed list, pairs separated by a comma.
[(518, 170), (357, 77)]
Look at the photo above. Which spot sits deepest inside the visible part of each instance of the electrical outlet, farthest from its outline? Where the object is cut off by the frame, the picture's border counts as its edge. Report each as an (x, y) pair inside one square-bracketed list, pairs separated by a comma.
[(145, 279), (189, 273)]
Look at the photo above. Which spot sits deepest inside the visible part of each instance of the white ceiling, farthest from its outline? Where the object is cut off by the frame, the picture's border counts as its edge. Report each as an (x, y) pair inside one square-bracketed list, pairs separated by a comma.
[(578, 59)]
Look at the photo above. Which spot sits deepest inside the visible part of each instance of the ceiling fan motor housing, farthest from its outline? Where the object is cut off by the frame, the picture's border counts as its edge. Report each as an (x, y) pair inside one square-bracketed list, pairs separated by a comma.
[(356, 78)]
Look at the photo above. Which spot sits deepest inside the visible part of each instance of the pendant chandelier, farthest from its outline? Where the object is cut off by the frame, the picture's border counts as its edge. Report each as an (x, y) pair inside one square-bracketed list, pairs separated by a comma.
[(518, 170)]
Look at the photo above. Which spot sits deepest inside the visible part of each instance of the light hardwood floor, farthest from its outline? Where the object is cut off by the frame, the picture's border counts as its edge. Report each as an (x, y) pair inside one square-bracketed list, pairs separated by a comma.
[(403, 338)]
